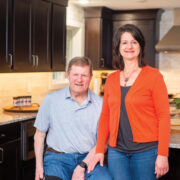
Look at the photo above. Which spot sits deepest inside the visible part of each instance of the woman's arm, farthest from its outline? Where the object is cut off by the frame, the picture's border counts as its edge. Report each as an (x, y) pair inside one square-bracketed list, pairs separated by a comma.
[(161, 103)]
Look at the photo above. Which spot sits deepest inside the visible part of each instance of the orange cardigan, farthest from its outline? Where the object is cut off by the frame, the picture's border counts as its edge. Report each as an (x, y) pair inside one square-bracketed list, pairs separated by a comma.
[(147, 107)]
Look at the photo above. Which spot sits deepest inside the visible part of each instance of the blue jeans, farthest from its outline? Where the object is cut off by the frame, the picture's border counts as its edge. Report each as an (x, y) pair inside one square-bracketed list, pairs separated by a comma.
[(62, 165), (132, 166)]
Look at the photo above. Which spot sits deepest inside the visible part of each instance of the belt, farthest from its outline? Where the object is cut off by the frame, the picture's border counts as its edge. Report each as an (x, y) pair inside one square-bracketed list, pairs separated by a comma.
[(53, 150)]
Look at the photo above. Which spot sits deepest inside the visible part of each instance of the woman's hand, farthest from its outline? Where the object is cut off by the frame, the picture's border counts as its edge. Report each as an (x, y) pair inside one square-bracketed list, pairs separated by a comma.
[(161, 166), (99, 157)]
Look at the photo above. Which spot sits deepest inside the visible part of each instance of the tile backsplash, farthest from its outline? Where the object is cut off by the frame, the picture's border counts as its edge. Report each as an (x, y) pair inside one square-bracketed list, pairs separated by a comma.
[(18, 84)]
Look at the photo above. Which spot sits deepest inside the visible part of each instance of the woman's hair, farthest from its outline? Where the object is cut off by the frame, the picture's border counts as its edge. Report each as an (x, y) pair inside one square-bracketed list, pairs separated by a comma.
[(118, 62), (80, 61)]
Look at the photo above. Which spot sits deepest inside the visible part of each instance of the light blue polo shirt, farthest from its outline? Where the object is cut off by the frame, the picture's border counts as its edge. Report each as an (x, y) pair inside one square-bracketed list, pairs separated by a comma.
[(71, 127)]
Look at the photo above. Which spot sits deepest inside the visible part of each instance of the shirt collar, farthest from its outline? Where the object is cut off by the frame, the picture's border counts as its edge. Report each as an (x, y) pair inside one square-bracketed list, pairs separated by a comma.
[(68, 94)]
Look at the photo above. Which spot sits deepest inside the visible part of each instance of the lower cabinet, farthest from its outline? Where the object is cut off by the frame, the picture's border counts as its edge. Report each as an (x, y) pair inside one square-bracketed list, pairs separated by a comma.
[(28, 170), (10, 160), (174, 165), (17, 160)]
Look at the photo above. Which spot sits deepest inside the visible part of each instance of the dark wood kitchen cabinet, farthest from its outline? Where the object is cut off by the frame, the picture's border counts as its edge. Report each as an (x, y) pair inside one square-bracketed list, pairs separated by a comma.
[(40, 39), (147, 21), (58, 37), (21, 31), (33, 35), (6, 35), (10, 152), (17, 158), (98, 36), (174, 165)]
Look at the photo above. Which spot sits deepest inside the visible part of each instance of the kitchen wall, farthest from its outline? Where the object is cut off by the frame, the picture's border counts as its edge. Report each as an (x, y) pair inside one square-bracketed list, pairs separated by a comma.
[(169, 64), (75, 22)]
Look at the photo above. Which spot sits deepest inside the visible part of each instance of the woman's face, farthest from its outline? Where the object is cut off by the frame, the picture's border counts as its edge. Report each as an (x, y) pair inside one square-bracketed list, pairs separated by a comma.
[(129, 47)]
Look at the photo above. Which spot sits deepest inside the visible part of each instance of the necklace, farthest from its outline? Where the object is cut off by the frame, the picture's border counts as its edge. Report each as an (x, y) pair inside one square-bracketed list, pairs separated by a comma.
[(126, 79)]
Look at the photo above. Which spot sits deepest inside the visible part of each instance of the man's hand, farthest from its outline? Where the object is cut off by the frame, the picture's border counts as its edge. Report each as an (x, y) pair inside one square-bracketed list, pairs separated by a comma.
[(161, 166), (97, 158), (39, 173), (78, 173)]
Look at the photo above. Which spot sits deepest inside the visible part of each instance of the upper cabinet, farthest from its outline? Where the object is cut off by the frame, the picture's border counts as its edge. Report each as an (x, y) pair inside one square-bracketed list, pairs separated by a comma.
[(33, 33), (6, 35), (58, 38), (22, 34), (98, 37), (40, 45)]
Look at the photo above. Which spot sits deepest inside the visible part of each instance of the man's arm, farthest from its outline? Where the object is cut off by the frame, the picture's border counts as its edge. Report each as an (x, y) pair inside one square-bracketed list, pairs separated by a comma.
[(78, 173), (39, 148)]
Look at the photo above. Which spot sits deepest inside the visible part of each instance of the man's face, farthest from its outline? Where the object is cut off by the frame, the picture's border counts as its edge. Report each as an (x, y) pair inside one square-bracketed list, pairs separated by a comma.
[(79, 79)]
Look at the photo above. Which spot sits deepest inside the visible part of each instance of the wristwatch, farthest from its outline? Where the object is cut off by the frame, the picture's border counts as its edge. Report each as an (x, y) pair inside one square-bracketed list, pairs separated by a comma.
[(83, 164)]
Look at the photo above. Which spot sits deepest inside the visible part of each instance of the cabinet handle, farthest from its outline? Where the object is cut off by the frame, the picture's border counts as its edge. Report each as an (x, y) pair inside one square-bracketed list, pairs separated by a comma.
[(2, 155), (10, 62), (2, 136), (102, 62), (33, 60), (37, 60)]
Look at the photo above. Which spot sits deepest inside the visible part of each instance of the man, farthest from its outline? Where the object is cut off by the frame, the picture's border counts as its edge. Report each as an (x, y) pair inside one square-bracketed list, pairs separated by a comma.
[(70, 119)]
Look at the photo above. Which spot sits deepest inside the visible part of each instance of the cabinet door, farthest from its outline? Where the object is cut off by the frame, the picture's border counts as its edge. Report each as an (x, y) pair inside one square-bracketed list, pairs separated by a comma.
[(98, 43), (106, 41), (6, 33), (58, 38), (93, 40), (22, 31), (40, 44), (10, 160), (149, 32)]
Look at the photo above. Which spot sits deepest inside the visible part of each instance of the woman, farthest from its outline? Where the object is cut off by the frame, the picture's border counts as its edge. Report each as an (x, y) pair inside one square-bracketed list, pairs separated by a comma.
[(135, 114)]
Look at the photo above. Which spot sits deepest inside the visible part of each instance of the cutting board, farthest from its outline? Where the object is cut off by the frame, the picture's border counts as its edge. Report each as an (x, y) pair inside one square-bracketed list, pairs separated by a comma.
[(33, 108)]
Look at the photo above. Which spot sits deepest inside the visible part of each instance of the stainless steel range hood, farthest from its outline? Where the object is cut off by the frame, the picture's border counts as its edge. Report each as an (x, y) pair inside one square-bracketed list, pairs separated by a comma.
[(171, 41)]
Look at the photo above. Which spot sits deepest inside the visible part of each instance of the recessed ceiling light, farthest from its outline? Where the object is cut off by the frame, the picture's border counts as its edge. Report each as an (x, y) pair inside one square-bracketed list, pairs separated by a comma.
[(83, 1)]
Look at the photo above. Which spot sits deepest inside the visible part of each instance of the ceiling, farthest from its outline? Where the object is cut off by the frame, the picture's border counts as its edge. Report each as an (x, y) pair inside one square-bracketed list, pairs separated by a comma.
[(131, 4)]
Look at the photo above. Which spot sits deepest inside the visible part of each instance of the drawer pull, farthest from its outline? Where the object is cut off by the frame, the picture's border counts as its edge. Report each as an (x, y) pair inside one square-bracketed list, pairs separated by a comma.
[(2, 136)]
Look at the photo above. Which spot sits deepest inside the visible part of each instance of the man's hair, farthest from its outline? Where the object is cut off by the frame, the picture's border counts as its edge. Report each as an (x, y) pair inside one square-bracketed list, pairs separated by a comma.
[(80, 61)]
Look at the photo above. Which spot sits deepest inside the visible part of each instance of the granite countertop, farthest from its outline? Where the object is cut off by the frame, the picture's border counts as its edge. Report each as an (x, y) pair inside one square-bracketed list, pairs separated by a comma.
[(11, 117), (175, 140)]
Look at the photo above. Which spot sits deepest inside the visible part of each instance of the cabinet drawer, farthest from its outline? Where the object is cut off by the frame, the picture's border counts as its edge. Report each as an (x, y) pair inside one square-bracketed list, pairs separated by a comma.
[(9, 132)]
